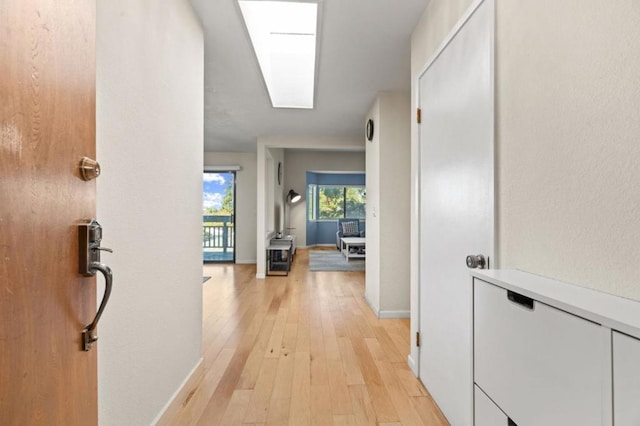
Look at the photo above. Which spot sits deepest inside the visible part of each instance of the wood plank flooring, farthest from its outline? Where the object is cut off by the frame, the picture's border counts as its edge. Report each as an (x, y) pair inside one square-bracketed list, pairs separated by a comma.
[(301, 350)]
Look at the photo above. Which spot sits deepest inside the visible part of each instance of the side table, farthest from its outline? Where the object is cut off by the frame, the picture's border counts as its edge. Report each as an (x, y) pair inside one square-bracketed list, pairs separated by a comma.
[(280, 254)]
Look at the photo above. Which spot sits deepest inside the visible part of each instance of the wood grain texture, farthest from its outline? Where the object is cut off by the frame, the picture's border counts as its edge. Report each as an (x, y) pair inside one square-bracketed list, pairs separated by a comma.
[(47, 123), (306, 351)]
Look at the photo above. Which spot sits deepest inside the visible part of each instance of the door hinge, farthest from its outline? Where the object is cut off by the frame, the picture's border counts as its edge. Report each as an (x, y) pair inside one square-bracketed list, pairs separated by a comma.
[(418, 339), (419, 115)]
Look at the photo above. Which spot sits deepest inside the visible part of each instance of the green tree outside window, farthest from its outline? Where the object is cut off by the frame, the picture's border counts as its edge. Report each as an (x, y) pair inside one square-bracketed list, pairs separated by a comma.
[(336, 202)]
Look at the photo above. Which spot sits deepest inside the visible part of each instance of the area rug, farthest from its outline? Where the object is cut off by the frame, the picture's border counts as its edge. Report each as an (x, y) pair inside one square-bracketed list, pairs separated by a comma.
[(205, 279), (324, 260)]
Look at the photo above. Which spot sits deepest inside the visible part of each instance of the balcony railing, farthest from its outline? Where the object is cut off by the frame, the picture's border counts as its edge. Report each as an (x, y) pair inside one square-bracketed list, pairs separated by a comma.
[(218, 232)]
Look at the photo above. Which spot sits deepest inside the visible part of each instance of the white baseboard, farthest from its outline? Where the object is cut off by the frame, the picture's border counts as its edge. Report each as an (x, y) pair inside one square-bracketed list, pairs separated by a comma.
[(246, 262), (373, 307), (260, 276), (412, 365), (180, 395), (394, 314)]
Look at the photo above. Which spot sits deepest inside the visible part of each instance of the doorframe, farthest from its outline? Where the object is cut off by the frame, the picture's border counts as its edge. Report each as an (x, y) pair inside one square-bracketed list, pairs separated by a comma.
[(414, 354), (233, 170), (263, 204)]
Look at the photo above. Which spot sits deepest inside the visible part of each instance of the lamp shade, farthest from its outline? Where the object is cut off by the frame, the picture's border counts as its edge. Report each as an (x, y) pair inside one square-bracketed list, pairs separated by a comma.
[(293, 196)]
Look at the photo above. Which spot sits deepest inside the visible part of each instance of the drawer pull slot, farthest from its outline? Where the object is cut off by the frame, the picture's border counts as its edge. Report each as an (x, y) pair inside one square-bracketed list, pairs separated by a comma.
[(524, 301), (511, 423)]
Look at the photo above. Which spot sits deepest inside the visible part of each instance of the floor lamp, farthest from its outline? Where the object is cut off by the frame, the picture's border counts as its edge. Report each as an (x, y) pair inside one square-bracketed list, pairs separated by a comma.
[(292, 198)]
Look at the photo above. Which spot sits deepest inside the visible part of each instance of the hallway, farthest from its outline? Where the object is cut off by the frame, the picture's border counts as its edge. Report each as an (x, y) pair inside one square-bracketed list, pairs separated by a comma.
[(302, 349)]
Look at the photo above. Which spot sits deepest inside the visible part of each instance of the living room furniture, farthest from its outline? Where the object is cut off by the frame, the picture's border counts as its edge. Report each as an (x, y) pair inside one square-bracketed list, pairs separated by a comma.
[(348, 227), (280, 254), (551, 353), (353, 247), (287, 239)]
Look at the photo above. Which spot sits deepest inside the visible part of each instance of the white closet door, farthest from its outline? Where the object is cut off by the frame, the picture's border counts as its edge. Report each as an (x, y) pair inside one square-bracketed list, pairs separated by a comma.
[(456, 206)]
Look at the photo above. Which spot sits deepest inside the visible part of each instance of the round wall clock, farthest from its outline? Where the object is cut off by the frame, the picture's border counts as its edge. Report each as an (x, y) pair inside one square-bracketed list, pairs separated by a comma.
[(369, 130), (279, 173)]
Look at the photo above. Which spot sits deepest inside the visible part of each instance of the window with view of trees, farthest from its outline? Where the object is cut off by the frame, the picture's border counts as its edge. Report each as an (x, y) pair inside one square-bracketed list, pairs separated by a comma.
[(312, 193), (336, 202)]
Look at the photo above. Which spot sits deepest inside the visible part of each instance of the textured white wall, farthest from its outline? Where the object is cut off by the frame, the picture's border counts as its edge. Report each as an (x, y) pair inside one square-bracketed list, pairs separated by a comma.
[(372, 280), (277, 207), (394, 127), (568, 96), (149, 143), (245, 199), (297, 164), (387, 156)]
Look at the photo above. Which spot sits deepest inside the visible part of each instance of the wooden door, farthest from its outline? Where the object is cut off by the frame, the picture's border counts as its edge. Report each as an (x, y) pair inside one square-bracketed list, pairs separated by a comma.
[(456, 206), (47, 123)]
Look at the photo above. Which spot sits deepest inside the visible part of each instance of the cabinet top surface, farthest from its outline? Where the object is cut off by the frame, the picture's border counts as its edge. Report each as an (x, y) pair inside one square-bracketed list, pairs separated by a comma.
[(608, 310)]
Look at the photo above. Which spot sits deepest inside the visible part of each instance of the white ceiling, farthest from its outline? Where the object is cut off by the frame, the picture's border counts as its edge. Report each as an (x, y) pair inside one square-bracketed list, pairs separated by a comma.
[(364, 48)]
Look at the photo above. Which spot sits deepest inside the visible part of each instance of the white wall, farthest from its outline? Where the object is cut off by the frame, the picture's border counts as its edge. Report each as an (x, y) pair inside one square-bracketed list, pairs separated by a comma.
[(394, 214), (298, 163), (388, 193), (568, 127), (245, 199), (372, 265), (265, 148), (149, 143), (276, 223)]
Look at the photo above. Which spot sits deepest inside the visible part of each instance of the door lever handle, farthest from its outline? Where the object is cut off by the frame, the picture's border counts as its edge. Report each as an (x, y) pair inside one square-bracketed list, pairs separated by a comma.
[(88, 334)]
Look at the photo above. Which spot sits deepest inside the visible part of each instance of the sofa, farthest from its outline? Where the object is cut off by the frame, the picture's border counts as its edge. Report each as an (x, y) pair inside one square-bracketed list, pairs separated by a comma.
[(349, 227)]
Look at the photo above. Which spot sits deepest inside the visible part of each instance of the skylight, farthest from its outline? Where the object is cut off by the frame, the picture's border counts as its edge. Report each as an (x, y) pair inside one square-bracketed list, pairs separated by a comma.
[(283, 34)]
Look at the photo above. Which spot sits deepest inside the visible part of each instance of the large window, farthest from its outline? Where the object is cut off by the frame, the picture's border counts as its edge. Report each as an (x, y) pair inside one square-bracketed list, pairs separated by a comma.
[(312, 197), (327, 202), (355, 202)]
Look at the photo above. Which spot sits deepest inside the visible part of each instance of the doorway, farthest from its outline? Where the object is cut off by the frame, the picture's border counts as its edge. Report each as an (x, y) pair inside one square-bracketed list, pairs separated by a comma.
[(218, 217)]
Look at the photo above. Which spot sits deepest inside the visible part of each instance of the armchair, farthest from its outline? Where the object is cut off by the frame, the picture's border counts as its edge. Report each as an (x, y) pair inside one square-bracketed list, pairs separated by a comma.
[(348, 227)]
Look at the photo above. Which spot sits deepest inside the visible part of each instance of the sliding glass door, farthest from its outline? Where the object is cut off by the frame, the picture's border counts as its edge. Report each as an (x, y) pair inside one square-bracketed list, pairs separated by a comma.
[(218, 216)]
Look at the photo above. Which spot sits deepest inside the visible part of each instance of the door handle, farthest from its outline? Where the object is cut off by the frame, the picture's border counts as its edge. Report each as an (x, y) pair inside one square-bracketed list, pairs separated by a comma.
[(476, 261), (89, 238), (88, 334)]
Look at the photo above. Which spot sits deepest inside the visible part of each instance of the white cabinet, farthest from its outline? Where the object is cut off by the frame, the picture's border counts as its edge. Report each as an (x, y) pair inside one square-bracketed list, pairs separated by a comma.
[(487, 413), (626, 380), (551, 353), (539, 364)]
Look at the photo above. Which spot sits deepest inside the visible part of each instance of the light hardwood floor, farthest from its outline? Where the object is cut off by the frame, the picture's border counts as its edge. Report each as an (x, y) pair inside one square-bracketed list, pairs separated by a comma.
[(300, 350)]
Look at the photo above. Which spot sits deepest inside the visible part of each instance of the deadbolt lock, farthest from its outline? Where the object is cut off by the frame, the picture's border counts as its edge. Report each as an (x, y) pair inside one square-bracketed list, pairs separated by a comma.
[(89, 169)]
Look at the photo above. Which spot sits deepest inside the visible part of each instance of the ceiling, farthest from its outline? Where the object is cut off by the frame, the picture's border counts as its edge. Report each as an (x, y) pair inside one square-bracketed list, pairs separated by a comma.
[(364, 48)]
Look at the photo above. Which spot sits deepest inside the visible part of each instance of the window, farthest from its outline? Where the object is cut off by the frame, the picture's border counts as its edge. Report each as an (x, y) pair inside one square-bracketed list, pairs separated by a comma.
[(312, 195), (355, 201), (328, 202)]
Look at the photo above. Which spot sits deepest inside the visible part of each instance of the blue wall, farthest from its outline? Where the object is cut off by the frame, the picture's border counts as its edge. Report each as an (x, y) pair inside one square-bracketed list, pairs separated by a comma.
[(324, 231)]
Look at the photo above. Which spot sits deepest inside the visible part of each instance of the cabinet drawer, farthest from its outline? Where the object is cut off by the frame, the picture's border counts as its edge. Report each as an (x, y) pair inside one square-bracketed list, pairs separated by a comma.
[(486, 413), (542, 366), (626, 380)]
